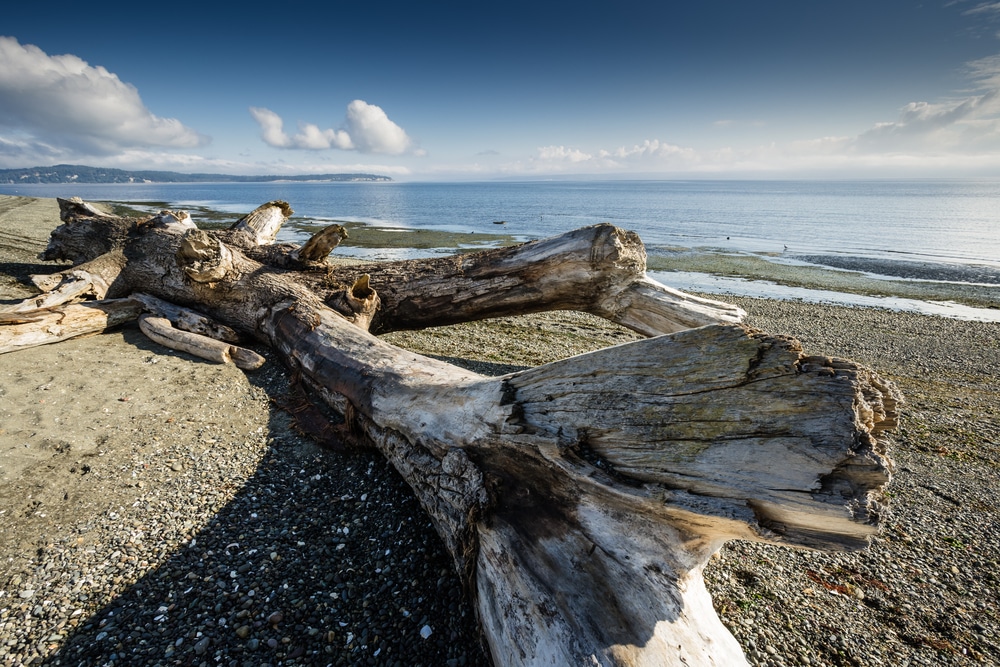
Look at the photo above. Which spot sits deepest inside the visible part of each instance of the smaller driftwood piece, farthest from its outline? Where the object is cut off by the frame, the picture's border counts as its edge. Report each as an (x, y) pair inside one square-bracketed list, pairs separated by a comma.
[(579, 500)]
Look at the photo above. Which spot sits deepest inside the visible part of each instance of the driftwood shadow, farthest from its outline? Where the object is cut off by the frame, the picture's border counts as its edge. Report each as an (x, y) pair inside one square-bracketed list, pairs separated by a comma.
[(22, 271), (343, 564)]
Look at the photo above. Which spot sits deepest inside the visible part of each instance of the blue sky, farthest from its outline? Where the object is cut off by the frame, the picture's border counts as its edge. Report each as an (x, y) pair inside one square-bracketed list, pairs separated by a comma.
[(455, 91)]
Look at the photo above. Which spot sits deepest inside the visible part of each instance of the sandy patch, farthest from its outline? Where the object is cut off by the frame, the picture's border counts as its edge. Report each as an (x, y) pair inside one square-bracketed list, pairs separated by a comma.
[(80, 420)]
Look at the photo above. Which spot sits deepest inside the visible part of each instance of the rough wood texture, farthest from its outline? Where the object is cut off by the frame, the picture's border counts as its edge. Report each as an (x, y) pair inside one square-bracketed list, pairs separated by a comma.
[(262, 224), (160, 330), (321, 244), (569, 556), (186, 319), (580, 500), (71, 286), (40, 327), (599, 269)]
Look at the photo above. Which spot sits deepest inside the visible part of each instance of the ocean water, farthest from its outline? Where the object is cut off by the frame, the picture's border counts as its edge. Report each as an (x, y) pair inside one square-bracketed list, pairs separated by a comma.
[(952, 221), (910, 228)]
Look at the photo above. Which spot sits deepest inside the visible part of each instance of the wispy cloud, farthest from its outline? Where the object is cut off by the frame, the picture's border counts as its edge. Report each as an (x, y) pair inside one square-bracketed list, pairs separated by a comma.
[(984, 8), (651, 154), (60, 105), (366, 129), (967, 125)]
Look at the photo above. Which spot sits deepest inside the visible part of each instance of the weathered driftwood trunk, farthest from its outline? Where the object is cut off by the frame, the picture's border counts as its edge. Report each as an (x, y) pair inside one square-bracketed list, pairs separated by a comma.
[(580, 500)]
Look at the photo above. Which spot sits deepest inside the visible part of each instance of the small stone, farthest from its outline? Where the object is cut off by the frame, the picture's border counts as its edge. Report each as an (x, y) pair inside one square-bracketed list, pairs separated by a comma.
[(425, 631), (243, 631), (26, 593), (202, 645), (275, 618)]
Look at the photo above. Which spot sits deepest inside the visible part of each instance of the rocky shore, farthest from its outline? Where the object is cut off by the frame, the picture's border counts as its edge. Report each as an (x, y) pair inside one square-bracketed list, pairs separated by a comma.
[(156, 509)]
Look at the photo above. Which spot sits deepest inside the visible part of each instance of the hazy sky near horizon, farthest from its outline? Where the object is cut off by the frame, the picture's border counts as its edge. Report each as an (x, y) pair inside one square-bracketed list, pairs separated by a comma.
[(449, 90)]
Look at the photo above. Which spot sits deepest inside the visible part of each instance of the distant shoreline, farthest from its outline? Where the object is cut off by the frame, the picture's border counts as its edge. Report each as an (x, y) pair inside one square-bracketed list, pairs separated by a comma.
[(71, 174)]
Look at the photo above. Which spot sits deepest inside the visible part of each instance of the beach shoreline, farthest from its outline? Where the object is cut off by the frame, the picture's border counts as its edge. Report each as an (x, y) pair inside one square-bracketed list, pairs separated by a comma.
[(139, 486)]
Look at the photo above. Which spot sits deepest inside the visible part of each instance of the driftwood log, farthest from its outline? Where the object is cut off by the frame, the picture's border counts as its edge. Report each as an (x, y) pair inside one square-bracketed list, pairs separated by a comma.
[(580, 500)]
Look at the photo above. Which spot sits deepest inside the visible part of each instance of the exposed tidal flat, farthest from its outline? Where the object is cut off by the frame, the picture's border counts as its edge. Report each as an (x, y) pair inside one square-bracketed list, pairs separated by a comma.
[(155, 509), (976, 286)]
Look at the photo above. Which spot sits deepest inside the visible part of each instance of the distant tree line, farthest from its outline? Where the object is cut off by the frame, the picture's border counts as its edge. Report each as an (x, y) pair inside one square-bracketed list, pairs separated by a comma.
[(74, 173)]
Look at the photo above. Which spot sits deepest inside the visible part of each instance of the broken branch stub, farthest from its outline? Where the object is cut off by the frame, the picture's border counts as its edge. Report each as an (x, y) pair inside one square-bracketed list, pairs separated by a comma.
[(321, 244), (204, 258), (262, 224)]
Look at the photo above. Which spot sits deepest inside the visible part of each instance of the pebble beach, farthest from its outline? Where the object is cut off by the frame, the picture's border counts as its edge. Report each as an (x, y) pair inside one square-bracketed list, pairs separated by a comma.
[(156, 509)]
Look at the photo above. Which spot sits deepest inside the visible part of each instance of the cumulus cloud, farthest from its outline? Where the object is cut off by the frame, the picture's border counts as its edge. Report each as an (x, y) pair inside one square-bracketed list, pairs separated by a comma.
[(652, 149), (563, 154), (60, 105), (366, 129)]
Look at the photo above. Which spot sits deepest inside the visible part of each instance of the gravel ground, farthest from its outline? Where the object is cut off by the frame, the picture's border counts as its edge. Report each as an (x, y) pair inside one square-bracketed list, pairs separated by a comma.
[(211, 532), (927, 591), (182, 520)]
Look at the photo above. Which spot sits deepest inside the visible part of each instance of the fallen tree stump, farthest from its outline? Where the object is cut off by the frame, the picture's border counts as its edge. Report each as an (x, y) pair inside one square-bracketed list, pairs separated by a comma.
[(579, 500)]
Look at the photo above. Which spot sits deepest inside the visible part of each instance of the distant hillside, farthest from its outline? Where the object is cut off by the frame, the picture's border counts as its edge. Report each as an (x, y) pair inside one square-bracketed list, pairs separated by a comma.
[(74, 173)]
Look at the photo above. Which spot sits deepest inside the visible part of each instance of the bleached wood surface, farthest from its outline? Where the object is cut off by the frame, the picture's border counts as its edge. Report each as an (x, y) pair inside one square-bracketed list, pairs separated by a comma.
[(22, 330)]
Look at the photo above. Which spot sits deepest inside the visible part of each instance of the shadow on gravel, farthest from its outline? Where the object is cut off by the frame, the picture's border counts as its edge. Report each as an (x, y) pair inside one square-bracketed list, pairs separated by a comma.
[(321, 558), (22, 271)]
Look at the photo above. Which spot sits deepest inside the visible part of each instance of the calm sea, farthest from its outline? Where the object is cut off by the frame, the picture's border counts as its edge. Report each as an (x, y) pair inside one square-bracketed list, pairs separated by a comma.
[(950, 222)]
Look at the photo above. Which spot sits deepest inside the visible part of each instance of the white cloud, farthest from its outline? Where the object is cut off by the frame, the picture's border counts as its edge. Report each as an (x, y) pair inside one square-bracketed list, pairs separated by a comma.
[(271, 130), (969, 125), (60, 105), (366, 129), (563, 154), (653, 149), (940, 123), (983, 8), (650, 155)]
